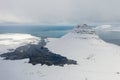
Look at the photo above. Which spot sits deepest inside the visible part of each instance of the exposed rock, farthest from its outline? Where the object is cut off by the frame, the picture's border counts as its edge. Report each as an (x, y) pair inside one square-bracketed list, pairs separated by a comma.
[(83, 29), (37, 54)]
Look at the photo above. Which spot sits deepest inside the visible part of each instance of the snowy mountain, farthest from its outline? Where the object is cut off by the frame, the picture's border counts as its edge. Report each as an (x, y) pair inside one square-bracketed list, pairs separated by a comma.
[(81, 32), (97, 60)]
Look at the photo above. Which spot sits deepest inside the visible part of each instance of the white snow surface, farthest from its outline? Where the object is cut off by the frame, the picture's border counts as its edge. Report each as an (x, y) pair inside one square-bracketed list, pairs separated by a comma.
[(107, 28), (14, 40), (11, 39), (97, 60)]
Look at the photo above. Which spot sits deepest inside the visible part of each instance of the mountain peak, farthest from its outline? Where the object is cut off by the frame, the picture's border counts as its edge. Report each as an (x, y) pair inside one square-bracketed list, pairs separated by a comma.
[(83, 32), (83, 29)]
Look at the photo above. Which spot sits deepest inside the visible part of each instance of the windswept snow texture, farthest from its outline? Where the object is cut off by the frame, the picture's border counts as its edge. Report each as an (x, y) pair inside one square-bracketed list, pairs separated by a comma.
[(97, 60)]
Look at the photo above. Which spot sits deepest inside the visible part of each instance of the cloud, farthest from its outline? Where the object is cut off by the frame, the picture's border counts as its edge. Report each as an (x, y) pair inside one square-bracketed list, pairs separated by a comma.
[(12, 19), (59, 11)]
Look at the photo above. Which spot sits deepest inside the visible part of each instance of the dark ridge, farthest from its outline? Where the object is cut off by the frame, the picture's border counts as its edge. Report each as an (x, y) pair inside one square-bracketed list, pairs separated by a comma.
[(37, 54)]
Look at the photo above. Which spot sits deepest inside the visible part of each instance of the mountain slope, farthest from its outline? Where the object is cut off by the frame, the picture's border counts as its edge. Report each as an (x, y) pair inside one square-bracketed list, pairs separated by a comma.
[(97, 60)]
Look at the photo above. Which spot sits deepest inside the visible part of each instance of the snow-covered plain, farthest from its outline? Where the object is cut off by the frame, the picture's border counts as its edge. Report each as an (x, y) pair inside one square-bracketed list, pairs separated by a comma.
[(97, 60)]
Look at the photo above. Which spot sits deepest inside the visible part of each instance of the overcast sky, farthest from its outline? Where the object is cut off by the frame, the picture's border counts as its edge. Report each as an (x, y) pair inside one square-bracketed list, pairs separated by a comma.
[(59, 11)]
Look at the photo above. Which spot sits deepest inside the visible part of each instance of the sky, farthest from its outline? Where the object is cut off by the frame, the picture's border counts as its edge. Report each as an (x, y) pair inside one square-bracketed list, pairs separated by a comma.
[(59, 11)]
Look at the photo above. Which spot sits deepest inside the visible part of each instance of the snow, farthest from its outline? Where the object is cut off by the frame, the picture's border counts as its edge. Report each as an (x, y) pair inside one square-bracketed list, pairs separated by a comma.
[(97, 60), (103, 27), (14, 40), (108, 28), (11, 39)]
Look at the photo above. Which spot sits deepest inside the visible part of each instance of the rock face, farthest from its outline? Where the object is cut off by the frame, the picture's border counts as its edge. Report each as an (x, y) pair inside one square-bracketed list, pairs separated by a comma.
[(83, 29), (37, 54), (81, 32)]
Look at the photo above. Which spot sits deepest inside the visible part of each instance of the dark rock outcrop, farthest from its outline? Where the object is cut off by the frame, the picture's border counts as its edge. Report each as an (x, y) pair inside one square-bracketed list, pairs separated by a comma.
[(37, 54)]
